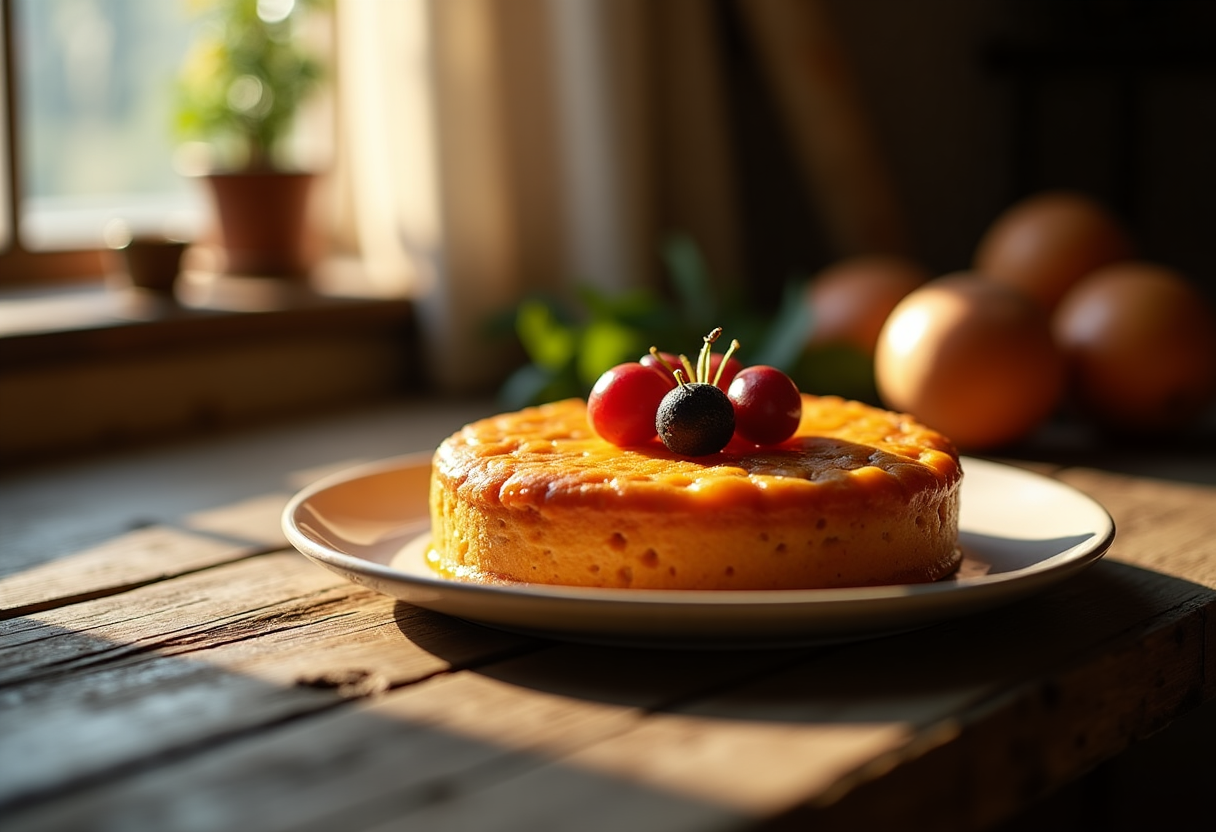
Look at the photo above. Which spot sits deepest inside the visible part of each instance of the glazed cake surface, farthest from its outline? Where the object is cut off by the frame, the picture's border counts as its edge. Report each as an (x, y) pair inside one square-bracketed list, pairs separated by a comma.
[(859, 496)]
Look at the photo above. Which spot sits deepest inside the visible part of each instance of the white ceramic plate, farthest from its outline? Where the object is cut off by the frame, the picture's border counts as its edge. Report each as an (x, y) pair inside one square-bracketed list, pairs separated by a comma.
[(1020, 533)]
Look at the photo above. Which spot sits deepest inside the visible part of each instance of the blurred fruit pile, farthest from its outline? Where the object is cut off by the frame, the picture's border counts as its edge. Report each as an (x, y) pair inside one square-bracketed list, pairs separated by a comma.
[(1055, 313)]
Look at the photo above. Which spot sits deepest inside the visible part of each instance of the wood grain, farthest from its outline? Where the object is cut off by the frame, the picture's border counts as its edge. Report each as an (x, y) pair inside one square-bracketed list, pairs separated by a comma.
[(1166, 526), (52, 511), (712, 738), (404, 746), (211, 654), (130, 560), (258, 519), (805, 739)]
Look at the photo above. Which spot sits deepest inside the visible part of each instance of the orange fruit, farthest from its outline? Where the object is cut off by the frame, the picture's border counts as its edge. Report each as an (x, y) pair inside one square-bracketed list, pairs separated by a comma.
[(1046, 243), (972, 358), (1140, 341), (850, 300)]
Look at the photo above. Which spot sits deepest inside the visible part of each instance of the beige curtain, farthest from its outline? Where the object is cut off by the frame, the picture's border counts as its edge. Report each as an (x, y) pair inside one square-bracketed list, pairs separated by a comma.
[(489, 148)]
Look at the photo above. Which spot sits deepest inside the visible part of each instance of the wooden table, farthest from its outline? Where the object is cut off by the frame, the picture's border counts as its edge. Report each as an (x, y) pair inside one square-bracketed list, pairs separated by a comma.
[(168, 663)]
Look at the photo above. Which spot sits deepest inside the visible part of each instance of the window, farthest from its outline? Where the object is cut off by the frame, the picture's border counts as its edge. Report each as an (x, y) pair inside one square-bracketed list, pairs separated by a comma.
[(6, 201), (89, 98)]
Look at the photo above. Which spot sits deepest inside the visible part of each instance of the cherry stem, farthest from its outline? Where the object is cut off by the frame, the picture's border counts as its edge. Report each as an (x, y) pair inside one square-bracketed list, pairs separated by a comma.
[(734, 345), (687, 365), (654, 351), (706, 349), (685, 371)]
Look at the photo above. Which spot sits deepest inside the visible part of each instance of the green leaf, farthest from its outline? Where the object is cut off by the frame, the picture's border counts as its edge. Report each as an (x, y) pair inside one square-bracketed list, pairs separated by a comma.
[(636, 307), (785, 338), (606, 343), (547, 341)]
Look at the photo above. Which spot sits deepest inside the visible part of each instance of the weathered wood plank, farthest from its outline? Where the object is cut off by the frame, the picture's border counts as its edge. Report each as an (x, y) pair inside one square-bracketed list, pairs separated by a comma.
[(958, 764), (49, 511), (128, 561), (210, 606), (1161, 525), (257, 519), (178, 663), (406, 748), (956, 685), (700, 740), (1009, 752)]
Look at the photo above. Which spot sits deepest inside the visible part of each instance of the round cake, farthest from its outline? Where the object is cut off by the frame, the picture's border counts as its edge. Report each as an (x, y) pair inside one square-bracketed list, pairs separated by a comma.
[(859, 496)]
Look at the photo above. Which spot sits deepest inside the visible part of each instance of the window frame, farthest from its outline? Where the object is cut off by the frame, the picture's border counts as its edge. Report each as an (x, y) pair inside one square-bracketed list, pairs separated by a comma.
[(21, 267)]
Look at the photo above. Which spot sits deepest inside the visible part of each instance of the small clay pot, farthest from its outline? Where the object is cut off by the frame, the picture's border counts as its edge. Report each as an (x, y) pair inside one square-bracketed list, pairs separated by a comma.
[(151, 263)]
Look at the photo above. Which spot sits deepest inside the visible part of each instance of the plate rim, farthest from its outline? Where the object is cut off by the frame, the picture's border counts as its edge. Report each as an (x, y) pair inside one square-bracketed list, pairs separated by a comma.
[(979, 590)]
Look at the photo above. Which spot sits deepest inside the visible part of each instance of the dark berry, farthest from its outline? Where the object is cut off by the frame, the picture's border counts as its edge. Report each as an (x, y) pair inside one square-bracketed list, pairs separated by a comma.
[(695, 419)]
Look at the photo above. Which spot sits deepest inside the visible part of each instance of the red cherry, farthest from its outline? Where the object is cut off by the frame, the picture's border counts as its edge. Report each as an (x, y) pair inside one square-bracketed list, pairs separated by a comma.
[(624, 401), (733, 366), (768, 406)]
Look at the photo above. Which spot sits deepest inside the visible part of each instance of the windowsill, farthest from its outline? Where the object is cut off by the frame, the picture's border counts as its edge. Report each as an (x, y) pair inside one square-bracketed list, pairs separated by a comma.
[(87, 367), (90, 320)]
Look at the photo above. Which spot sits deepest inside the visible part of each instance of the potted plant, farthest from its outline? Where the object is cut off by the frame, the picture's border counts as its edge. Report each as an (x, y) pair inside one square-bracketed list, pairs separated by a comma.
[(241, 88)]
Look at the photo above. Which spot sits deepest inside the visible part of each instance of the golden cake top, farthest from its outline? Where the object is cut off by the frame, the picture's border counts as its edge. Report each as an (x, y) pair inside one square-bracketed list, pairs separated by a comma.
[(549, 455)]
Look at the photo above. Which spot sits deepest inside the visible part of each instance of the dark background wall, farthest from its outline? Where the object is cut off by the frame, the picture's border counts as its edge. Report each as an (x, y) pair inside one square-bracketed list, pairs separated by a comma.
[(977, 102)]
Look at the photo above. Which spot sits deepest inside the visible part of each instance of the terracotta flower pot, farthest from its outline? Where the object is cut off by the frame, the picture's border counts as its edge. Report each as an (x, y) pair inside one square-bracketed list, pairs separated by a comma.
[(263, 222)]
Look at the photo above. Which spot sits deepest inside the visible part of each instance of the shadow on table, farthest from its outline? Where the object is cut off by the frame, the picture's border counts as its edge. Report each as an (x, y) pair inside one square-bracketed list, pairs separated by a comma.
[(1056, 683), (1031, 639), (218, 748)]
